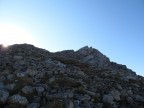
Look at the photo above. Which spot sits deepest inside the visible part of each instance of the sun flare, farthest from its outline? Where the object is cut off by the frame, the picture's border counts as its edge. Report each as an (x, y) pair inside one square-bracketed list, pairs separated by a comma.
[(13, 34)]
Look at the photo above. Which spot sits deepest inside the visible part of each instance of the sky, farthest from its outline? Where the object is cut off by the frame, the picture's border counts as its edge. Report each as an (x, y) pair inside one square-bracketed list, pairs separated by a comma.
[(114, 27)]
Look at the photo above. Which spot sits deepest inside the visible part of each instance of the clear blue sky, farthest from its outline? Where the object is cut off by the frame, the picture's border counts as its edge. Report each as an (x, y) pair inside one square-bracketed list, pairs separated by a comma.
[(115, 27)]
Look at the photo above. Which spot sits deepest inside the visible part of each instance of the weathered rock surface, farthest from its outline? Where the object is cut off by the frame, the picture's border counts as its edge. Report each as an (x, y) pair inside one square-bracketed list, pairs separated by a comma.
[(31, 77)]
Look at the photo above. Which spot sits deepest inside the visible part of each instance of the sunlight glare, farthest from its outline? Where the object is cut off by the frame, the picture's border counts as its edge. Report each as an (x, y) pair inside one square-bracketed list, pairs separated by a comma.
[(13, 34)]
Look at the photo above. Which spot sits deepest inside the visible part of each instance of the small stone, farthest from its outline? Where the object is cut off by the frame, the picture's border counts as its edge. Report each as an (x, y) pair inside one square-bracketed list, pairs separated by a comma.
[(10, 77), (39, 90), (115, 94), (31, 72), (80, 73), (139, 98), (85, 97), (17, 99), (10, 86), (21, 74), (3, 96), (33, 105), (90, 93), (129, 100), (51, 79), (108, 99), (69, 104), (59, 64), (36, 99), (2, 78), (130, 93), (16, 57), (2, 85), (27, 90), (119, 86)]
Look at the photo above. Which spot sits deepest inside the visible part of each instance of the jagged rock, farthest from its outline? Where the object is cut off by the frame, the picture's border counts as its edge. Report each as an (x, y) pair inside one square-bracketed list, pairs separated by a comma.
[(93, 57), (17, 99), (3, 96)]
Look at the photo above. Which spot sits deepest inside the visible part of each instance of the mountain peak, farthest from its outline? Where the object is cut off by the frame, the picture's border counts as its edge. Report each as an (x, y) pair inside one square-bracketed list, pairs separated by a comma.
[(86, 78)]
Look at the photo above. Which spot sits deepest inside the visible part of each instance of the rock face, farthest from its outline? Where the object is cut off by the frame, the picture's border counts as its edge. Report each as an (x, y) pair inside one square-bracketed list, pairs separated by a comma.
[(31, 77)]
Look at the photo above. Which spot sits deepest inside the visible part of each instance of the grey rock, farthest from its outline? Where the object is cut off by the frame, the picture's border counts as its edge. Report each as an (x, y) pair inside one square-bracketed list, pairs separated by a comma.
[(129, 77), (84, 98), (31, 72), (16, 57), (10, 77), (108, 99), (51, 79), (77, 104), (2, 78), (27, 89), (36, 99), (130, 93), (3, 96), (80, 73), (17, 99), (2, 85), (129, 100), (90, 92), (33, 105), (119, 86), (115, 94), (21, 74), (139, 98), (85, 50), (10, 86), (39, 89), (61, 65), (69, 103)]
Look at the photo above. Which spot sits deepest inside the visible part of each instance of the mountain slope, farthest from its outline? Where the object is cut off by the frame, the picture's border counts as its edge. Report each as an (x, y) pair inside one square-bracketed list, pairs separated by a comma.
[(31, 77)]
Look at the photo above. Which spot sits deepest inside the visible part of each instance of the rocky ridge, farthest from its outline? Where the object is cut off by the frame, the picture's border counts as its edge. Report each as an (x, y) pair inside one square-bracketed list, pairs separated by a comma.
[(31, 77)]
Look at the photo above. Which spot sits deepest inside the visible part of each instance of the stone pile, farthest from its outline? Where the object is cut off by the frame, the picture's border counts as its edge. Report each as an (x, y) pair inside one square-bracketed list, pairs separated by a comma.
[(31, 77)]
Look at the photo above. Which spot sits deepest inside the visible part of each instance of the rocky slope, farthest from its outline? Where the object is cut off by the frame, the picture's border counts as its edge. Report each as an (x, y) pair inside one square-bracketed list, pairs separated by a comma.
[(35, 78)]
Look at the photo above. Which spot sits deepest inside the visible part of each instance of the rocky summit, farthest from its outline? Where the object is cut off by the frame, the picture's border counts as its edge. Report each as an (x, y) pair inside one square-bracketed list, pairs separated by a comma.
[(31, 77)]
